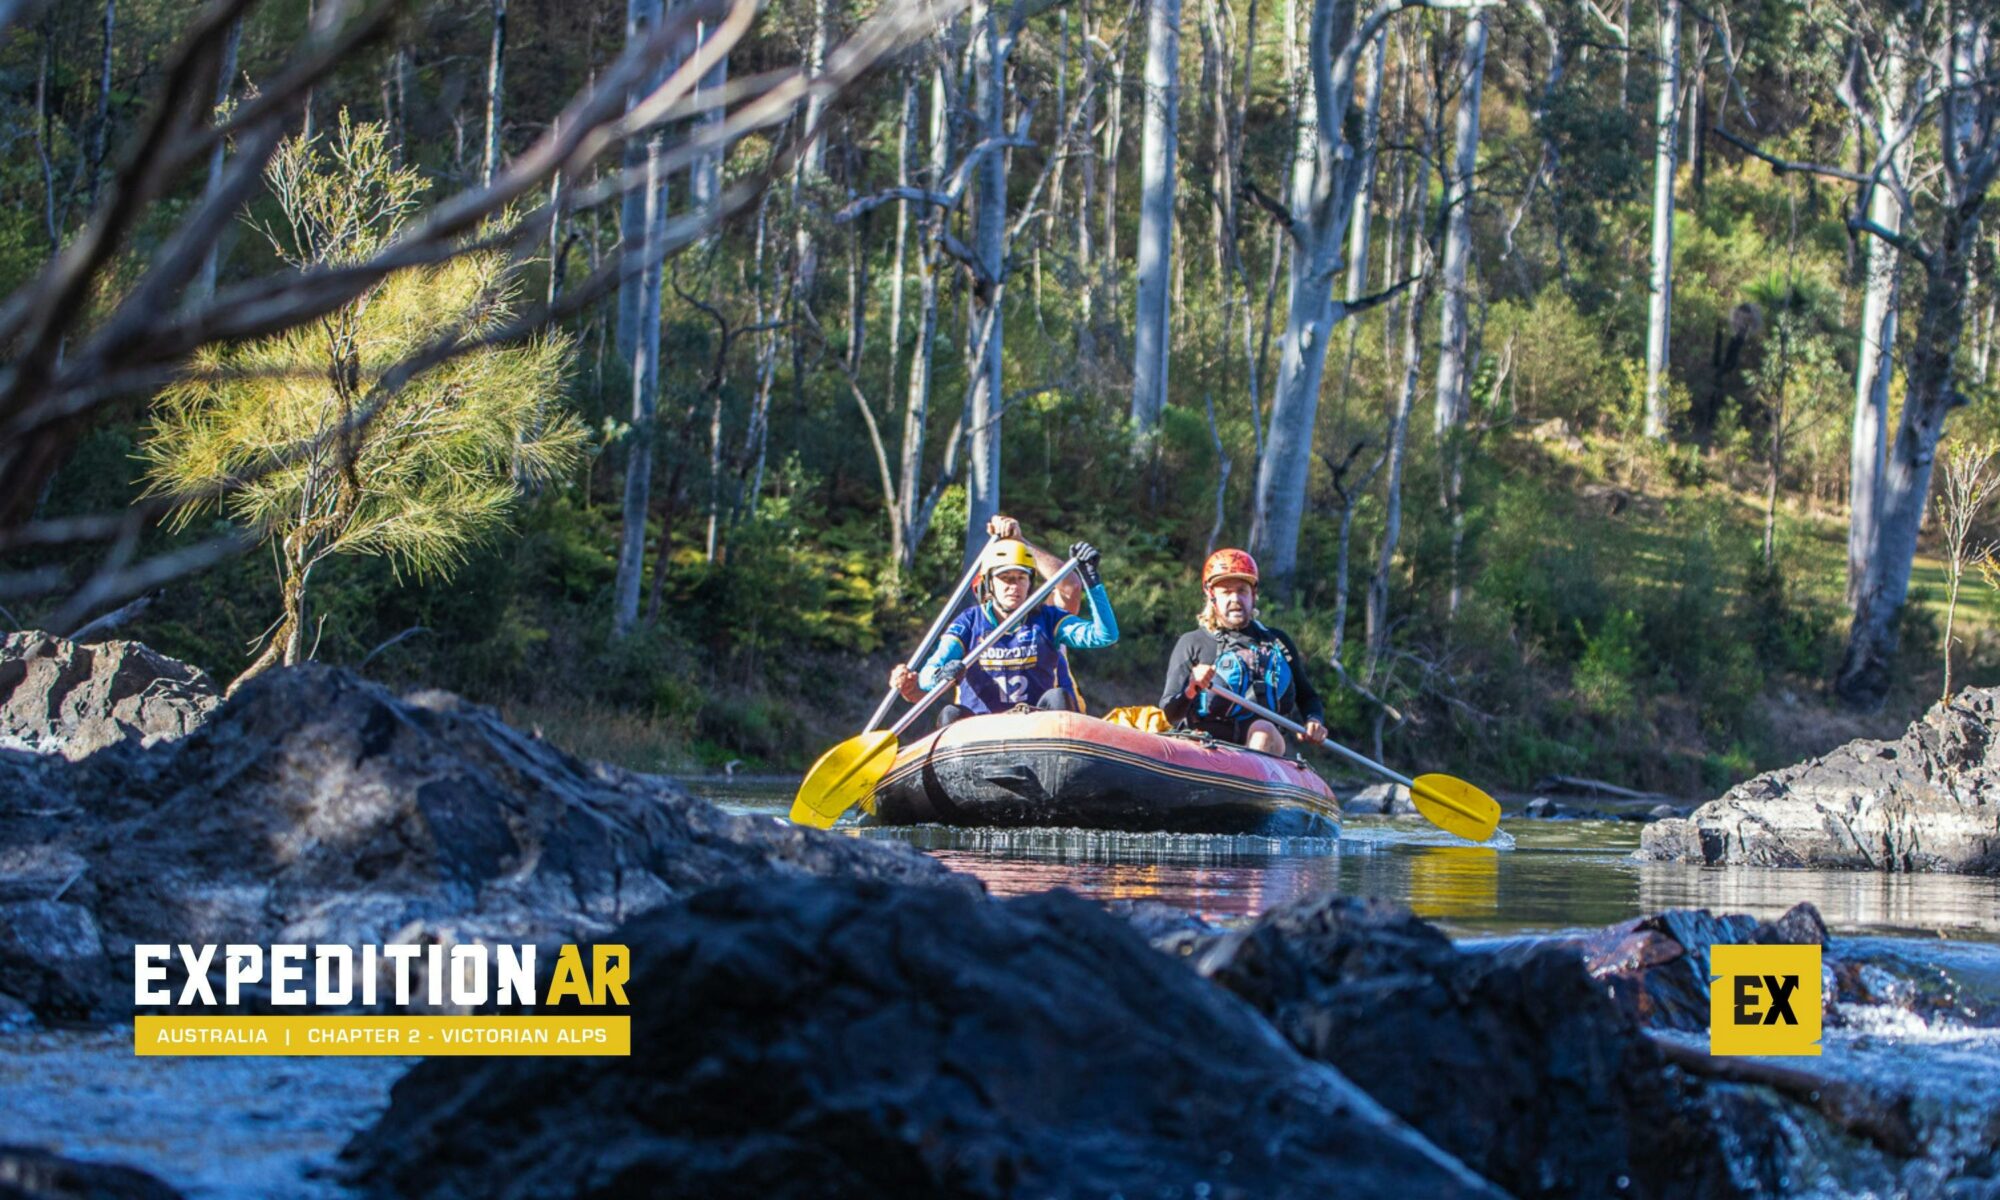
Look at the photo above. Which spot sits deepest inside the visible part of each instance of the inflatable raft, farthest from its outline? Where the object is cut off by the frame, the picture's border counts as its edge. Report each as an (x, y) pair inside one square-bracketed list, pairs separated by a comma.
[(1068, 770)]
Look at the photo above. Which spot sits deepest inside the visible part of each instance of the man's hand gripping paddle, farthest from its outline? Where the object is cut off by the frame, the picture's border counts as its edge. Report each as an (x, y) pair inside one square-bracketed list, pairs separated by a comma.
[(1451, 804)]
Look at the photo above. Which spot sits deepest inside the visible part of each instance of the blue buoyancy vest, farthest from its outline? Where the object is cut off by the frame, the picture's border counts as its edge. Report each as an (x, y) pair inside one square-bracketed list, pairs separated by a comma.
[(1249, 667)]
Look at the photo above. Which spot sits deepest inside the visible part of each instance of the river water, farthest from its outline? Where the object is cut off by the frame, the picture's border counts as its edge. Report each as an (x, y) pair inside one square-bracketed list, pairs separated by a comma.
[(1539, 876), (245, 1127)]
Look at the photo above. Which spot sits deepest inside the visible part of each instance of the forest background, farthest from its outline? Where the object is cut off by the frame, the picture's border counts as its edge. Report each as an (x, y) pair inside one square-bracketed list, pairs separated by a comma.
[(1538, 515)]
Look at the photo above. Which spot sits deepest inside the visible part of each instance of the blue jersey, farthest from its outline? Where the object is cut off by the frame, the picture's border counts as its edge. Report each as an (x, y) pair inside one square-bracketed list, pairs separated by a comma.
[(1019, 667), (1027, 662)]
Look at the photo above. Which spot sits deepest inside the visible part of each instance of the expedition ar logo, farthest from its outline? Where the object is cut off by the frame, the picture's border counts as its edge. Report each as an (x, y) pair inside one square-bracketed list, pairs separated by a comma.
[(1763, 1000), (314, 989)]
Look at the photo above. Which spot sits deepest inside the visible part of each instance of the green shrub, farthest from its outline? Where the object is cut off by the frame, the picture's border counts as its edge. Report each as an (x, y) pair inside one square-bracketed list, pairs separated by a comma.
[(1604, 677)]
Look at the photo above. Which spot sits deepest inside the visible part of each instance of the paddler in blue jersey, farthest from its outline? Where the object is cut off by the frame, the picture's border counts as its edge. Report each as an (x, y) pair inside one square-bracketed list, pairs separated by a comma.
[(1028, 666)]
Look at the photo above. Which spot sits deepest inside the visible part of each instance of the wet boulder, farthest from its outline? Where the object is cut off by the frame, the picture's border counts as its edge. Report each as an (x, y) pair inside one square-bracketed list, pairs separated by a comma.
[(316, 807), (1513, 1059), (1380, 799), (1929, 801), (63, 697), (30, 1174), (1657, 967), (824, 1038)]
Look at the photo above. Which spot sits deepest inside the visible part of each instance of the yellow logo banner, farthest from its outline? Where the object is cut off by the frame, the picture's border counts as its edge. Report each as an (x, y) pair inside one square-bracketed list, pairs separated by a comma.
[(1764, 1000), (421, 1037)]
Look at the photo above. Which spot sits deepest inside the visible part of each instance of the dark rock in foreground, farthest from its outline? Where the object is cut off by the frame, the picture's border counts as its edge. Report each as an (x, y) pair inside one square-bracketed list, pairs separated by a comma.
[(829, 1038), (316, 807), (1514, 1060), (57, 696), (1577, 1066), (1927, 802), (30, 1174)]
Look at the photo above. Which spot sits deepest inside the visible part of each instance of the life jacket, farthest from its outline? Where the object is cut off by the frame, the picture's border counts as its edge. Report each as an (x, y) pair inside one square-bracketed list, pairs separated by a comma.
[(1018, 668), (1252, 667)]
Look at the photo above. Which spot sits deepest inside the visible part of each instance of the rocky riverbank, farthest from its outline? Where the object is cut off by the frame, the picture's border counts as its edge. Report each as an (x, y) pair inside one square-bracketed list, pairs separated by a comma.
[(819, 1037), (817, 1015), (1928, 801), (314, 806)]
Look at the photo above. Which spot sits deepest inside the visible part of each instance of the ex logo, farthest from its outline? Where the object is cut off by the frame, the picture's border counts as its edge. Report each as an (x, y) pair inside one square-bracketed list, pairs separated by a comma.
[(1764, 1000)]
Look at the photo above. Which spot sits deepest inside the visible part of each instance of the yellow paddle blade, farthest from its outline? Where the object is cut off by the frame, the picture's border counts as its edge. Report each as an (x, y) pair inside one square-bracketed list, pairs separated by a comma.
[(843, 777), (1456, 806)]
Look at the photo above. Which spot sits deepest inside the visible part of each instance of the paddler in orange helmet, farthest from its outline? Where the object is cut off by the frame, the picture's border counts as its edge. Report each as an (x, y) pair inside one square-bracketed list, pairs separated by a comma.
[(1233, 648)]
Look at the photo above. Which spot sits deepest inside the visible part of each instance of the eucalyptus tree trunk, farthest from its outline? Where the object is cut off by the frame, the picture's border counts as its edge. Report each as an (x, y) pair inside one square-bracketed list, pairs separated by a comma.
[(1300, 85), (395, 100), (1874, 369), (989, 69), (1549, 168), (705, 175), (1452, 370), (1358, 233), (642, 216), (1114, 134), (1156, 215), (204, 284), (314, 24), (1086, 200), (1415, 222), (916, 412), (1065, 145), (1868, 451), (906, 147), (1221, 159), (1929, 394), (1399, 190), (1364, 197), (1985, 346), (100, 131), (1625, 59), (495, 92), (52, 217), (1969, 153), (812, 163), (1661, 284), (756, 435), (1321, 205)]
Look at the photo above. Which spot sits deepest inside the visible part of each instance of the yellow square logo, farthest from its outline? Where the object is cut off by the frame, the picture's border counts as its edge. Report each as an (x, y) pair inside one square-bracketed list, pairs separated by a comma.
[(1763, 1000)]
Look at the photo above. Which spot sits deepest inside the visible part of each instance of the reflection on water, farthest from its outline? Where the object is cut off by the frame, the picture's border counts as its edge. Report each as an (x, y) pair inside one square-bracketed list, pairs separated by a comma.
[(1537, 876), (1218, 893), (1957, 906), (1455, 882)]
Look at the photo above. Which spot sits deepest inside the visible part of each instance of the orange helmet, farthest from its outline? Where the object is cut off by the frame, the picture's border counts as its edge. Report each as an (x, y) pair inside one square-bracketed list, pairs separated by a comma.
[(1229, 564)]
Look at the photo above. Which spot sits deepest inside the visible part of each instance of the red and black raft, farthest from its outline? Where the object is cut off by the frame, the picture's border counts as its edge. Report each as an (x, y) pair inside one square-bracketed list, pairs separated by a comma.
[(1058, 769)]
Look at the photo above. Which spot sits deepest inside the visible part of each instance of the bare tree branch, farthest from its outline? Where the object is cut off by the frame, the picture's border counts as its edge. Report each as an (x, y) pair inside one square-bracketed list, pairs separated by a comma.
[(1785, 165), (1278, 211), (148, 336), (1382, 297)]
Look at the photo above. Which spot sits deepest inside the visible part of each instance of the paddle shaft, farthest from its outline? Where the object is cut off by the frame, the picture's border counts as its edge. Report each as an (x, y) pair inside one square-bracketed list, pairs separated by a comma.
[(1295, 727), (972, 656), (916, 659)]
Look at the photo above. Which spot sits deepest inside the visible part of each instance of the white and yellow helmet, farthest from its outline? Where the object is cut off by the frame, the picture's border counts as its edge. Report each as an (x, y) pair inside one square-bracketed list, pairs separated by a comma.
[(1006, 554)]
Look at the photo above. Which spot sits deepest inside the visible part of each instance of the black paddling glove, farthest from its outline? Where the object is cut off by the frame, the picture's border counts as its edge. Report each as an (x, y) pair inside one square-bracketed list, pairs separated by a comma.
[(1087, 558)]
